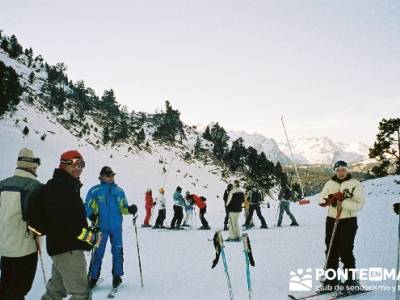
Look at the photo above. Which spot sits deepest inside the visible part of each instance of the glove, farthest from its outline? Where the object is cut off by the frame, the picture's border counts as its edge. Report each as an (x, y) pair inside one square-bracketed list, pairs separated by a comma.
[(88, 235), (132, 209), (154, 204), (396, 208), (93, 218), (338, 197)]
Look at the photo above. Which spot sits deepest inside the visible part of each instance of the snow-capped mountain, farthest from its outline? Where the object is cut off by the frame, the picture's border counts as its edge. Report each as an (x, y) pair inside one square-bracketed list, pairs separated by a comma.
[(262, 144), (324, 150)]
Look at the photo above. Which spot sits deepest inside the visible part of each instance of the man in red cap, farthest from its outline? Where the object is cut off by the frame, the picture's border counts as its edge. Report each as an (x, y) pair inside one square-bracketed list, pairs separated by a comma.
[(67, 230)]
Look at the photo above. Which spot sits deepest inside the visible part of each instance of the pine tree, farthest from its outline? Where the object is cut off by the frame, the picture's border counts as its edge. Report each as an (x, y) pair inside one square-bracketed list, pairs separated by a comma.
[(15, 49), (10, 89), (197, 148), (236, 156), (170, 124), (386, 148)]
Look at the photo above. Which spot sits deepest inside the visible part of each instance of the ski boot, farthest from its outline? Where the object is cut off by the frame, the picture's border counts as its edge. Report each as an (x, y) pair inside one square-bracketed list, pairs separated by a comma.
[(329, 286), (225, 227), (294, 224), (352, 286), (92, 283), (264, 226), (116, 281)]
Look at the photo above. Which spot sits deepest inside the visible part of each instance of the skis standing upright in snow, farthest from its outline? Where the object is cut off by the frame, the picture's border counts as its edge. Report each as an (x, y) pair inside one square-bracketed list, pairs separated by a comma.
[(219, 250), (248, 255)]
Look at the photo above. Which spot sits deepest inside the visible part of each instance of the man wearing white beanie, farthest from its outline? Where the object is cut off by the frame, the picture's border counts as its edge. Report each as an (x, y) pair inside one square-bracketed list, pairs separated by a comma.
[(18, 248)]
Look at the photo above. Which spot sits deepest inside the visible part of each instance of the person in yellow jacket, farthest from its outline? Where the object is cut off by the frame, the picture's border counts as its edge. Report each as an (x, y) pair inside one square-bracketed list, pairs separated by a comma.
[(343, 196)]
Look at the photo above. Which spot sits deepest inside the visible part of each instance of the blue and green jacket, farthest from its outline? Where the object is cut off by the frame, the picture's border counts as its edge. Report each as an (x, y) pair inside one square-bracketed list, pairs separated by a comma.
[(108, 202)]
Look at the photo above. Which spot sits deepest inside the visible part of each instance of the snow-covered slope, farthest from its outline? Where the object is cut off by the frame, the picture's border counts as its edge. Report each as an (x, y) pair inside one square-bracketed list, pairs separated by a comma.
[(323, 150)]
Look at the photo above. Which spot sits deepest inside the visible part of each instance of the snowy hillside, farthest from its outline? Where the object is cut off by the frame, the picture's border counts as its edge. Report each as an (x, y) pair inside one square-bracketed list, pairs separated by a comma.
[(323, 150), (261, 144)]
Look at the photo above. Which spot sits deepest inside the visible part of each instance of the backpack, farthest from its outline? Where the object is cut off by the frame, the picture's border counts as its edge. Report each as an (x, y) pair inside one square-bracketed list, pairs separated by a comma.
[(255, 197), (36, 216)]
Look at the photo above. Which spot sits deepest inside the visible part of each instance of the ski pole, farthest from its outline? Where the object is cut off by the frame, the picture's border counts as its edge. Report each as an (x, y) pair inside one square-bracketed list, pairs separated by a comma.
[(41, 259), (228, 279), (339, 211), (247, 259), (137, 246), (398, 264)]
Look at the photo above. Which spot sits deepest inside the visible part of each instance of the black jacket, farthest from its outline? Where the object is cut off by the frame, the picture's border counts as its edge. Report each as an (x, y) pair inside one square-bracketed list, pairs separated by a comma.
[(235, 205), (65, 214)]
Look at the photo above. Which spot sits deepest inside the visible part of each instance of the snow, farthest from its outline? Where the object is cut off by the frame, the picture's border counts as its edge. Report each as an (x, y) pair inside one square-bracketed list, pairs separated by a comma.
[(177, 265)]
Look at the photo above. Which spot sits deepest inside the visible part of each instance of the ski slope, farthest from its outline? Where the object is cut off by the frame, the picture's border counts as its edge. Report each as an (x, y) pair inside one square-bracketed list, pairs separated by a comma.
[(177, 265)]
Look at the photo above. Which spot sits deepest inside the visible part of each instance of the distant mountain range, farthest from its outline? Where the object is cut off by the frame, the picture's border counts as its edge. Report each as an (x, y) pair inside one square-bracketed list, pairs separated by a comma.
[(314, 150)]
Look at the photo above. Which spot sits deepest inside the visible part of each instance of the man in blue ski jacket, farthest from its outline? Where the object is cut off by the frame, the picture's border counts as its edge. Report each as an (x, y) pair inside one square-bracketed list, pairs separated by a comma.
[(105, 204)]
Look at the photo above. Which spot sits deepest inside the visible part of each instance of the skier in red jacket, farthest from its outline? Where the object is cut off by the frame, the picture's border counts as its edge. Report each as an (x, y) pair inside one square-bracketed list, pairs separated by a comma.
[(201, 204), (148, 204)]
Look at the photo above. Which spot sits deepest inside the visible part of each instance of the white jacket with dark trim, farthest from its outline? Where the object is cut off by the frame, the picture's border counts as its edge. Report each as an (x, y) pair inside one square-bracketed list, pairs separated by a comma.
[(353, 194)]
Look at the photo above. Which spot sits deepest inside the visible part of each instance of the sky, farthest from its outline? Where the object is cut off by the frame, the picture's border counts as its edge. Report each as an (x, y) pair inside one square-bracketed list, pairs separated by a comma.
[(331, 68)]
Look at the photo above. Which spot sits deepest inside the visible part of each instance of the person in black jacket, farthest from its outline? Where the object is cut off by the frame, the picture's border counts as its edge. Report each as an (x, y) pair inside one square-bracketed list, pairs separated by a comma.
[(67, 230), (234, 205), (226, 194)]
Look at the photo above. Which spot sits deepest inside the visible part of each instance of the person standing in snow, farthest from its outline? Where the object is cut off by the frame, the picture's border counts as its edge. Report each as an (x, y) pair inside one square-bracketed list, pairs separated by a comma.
[(105, 205), (256, 198), (68, 235), (201, 204), (18, 248), (148, 204), (343, 196), (225, 198), (189, 203), (161, 204), (179, 204), (234, 205), (284, 206)]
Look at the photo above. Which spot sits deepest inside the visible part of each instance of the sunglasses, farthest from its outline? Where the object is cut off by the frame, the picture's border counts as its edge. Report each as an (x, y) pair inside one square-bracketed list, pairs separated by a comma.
[(75, 162), (109, 175), (30, 159)]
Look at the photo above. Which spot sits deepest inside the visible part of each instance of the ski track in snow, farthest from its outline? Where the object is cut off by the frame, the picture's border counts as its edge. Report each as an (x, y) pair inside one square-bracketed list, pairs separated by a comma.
[(177, 264)]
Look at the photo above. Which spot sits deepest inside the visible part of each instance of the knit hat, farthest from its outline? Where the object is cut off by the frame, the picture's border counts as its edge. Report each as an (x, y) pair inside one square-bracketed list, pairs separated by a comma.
[(107, 171), (340, 164), (26, 159), (66, 157)]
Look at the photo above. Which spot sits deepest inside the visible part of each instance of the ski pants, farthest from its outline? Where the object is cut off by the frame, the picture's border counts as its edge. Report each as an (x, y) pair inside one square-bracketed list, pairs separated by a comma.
[(161, 217), (178, 216), (188, 215), (17, 274), (68, 277), (343, 243), (116, 251), (258, 212), (284, 206), (226, 220), (234, 229), (148, 215), (202, 218)]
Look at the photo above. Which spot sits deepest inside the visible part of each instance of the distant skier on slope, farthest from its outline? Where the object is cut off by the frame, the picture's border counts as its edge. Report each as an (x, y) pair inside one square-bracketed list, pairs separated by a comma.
[(148, 204), (179, 204), (201, 204), (285, 194), (189, 203), (256, 198), (343, 196), (105, 204), (161, 204), (234, 205), (225, 198)]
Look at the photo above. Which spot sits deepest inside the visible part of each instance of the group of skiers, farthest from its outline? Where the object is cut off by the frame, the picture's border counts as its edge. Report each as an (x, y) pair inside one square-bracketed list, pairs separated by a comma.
[(30, 209), (180, 204)]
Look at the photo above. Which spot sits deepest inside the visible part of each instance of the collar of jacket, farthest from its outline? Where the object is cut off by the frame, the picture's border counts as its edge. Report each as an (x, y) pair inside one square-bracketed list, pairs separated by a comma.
[(335, 178), (107, 183), (24, 173), (64, 176)]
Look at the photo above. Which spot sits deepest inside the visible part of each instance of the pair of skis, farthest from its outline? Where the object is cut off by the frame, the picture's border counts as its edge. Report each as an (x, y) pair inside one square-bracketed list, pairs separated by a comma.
[(332, 297), (249, 260)]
